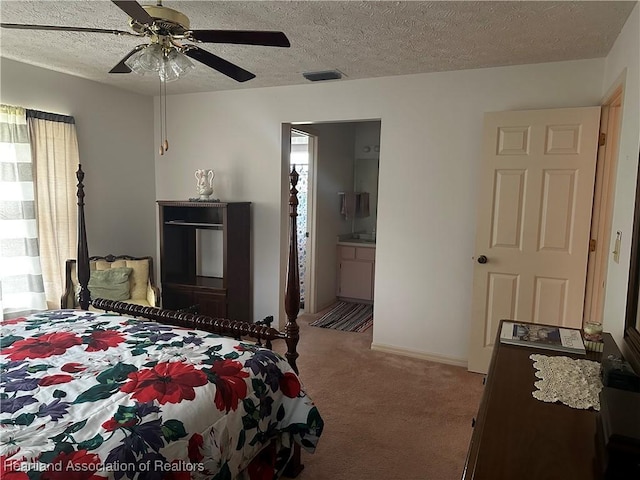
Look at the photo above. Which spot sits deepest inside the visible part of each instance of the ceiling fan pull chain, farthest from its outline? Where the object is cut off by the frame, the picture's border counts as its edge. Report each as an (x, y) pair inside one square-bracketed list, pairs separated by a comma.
[(165, 145), (161, 150)]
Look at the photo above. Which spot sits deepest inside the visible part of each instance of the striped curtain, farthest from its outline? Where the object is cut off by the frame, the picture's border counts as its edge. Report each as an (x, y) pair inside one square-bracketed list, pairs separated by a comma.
[(21, 282)]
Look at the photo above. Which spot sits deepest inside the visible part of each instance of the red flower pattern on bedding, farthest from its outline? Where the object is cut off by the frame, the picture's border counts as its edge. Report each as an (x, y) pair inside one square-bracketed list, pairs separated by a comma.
[(10, 468), (43, 346), (167, 382), (104, 339), (73, 367), (230, 384), (290, 385), (12, 321), (54, 380), (76, 465), (195, 447)]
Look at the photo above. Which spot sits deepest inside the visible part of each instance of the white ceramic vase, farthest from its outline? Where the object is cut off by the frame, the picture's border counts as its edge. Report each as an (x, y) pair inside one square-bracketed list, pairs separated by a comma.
[(204, 183)]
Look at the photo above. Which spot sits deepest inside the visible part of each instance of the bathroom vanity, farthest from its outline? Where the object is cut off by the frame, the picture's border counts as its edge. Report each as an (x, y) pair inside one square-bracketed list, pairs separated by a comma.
[(356, 269)]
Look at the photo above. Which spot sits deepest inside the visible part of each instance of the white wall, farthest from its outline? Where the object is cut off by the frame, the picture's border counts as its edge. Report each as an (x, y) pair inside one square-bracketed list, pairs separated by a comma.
[(115, 142), (623, 63), (430, 143)]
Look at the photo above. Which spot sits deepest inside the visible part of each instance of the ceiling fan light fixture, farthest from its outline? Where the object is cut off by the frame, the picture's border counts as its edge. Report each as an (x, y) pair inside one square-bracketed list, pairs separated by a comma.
[(147, 60), (169, 64), (174, 65)]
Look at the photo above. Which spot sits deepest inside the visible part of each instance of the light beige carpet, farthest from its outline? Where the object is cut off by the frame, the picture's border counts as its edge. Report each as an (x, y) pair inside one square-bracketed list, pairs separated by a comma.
[(386, 417)]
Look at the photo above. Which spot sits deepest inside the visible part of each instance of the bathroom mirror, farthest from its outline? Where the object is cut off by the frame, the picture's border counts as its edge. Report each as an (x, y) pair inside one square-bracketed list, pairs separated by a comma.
[(365, 179), (631, 347)]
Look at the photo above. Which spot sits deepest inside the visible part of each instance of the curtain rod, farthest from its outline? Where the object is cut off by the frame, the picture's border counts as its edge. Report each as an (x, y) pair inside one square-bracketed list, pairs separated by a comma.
[(52, 117)]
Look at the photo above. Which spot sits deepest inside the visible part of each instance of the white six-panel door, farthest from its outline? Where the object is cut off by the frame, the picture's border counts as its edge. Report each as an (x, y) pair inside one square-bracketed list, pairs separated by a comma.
[(533, 222)]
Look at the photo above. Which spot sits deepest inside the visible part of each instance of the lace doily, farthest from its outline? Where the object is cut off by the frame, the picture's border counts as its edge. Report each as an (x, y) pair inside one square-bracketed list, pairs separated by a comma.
[(575, 383)]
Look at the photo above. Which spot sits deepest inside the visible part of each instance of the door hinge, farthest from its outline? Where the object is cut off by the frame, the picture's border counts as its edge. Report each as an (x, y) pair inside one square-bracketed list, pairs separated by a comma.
[(603, 139), (592, 245)]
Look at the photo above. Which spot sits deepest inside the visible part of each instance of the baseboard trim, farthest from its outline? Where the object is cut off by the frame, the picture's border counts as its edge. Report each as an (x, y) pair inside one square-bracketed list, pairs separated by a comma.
[(407, 352)]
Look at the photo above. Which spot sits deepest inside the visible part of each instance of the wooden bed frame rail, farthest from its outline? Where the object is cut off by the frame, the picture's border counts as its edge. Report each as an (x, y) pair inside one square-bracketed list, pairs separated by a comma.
[(220, 326)]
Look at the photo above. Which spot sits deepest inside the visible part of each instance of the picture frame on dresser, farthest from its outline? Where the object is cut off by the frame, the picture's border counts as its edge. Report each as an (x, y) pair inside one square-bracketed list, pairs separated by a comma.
[(631, 345)]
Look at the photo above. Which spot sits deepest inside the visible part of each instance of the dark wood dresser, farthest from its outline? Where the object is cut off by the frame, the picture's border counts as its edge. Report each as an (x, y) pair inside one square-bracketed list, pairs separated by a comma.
[(517, 437)]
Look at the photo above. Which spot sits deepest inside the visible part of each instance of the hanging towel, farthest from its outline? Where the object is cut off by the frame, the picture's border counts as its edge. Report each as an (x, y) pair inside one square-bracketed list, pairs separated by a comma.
[(347, 204), (362, 206)]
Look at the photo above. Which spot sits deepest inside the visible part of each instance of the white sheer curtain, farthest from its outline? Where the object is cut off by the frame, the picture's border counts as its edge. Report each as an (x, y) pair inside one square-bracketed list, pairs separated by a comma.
[(21, 282), (54, 147)]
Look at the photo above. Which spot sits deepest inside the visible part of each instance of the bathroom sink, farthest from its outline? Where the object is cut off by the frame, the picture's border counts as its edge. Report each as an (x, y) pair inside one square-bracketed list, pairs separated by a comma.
[(365, 237), (360, 240)]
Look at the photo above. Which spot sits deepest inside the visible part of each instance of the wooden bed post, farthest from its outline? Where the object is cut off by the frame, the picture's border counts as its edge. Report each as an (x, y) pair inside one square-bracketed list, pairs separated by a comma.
[(82, 262), (292, 288), (292, 305)]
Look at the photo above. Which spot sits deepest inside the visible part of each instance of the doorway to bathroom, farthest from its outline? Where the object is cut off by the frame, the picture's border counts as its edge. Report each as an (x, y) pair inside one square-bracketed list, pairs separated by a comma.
[(342, 157)]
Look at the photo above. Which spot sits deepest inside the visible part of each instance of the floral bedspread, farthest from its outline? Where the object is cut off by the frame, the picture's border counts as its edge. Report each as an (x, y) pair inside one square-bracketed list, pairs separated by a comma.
[(85, 395)]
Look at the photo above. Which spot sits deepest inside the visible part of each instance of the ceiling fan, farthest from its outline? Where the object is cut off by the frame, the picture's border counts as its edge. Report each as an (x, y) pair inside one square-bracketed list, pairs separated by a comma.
[(168, 30)]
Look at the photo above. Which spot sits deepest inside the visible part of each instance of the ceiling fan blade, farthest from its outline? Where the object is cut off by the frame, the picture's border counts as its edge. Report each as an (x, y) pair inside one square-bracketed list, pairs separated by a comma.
[(121, 67), (243, 37), (19, 26), (134, 10), (217, 63)]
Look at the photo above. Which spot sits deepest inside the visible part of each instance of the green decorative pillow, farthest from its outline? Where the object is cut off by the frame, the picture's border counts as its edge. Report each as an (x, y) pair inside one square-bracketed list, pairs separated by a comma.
[(112, 284)]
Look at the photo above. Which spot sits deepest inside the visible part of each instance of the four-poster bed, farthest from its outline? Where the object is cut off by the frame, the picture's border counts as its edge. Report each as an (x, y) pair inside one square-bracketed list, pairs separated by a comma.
[(129, 391)]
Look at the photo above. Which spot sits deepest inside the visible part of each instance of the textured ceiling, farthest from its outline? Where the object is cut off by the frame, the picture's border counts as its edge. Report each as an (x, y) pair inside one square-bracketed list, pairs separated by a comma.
[(361, 39)]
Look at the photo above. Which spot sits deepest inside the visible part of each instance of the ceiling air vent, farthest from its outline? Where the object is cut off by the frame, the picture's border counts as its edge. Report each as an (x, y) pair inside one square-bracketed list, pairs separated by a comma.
[(321, 76)]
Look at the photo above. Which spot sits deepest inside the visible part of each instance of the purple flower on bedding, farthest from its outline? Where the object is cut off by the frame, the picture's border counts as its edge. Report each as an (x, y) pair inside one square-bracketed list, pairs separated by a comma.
[(151, 433), (265, 362), (56, 410), (12, 405), (147, 327), (56, 314), (161, 337), (153, 459), (8, 374), (192, 339), (272, 375), (147, 408), (21, 384)]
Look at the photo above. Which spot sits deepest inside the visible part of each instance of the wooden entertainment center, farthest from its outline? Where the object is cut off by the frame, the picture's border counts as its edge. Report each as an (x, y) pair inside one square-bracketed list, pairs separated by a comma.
[(223, 294), (516, 436)]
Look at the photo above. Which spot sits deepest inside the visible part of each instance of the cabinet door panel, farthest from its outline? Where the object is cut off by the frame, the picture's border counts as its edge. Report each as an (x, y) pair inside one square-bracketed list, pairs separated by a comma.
[(347, 253), (368, 254), (212, 304), (176, 298), (356, 280)]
